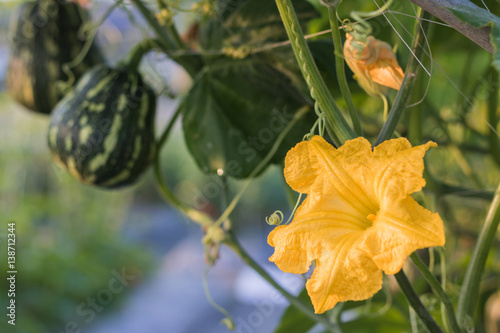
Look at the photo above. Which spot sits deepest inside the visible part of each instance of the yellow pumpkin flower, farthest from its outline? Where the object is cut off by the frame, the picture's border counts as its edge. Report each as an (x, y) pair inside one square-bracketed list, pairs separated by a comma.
[(358, 218), (374, 65)]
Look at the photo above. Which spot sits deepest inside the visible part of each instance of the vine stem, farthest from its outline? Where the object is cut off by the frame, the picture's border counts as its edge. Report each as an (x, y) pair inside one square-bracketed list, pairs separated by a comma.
[(234, 244), (470, 288), (340, 69), (492, 115), (415, 130), (399, 106), (415, 302), (192, 64), (440, 292), (134, 57), (195, 215), (318, 89), (442, 265), (261, 165)]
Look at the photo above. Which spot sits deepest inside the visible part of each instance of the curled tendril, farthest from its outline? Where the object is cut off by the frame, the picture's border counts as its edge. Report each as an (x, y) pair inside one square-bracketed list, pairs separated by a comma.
[(307, 137), (347, 25), (362, 29), (86, 31), (317, 110), (276, 218), (319, 123)]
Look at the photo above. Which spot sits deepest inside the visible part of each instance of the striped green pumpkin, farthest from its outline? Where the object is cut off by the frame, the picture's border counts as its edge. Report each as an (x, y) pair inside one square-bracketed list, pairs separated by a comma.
[(103, 131), (45, 35)]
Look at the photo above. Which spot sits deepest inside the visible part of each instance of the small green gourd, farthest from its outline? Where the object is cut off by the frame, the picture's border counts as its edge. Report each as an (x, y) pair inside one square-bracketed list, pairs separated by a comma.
[(103, 131)]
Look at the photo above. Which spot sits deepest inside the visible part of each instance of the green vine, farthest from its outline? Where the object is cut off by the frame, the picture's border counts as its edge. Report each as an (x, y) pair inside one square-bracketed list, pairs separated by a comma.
[(404, 93), (318, 89)]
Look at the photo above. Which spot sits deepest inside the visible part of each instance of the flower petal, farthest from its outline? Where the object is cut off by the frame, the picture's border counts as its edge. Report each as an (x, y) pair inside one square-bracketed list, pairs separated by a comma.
[(342, 271), (316, 167), (341, 274), (301, 163), (387, 75), (398, 169), (312, 232), (398, 231), (386, 71), (291, 253)]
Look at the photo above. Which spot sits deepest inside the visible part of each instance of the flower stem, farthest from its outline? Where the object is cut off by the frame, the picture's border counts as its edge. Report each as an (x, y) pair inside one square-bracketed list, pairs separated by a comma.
[(436, 286), (399, 106), (233, 243), (319, 90), (192, 64), (340, 69), (415, 303), (470, 287)]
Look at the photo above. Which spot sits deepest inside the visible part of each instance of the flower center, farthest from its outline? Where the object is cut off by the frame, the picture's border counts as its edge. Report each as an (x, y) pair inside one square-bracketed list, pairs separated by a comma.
[(371, 218)]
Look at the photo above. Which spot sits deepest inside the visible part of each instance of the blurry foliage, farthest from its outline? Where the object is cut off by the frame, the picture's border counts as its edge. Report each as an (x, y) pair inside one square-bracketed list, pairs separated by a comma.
[(68, 236)]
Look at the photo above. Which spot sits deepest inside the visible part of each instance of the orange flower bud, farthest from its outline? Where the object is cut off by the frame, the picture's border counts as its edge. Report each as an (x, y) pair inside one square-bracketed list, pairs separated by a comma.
[(374, 65)]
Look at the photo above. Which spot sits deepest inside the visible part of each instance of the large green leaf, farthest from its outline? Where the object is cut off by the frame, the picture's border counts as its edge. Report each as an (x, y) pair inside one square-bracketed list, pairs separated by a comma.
[(479, 17), (234, 113), (295, 321), (237, 107)]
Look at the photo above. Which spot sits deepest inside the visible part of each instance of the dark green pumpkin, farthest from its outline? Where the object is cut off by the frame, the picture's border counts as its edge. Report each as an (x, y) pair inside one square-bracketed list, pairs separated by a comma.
[(44, 36), (103, 131)]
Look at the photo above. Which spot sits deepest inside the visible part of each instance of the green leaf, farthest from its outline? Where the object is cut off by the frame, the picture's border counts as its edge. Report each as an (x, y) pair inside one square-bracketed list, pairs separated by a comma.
[(258, 22), (251, 23), (388, 322), (284, 60), (295, 321), (234, 113), (237, 108), (478, 17)]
